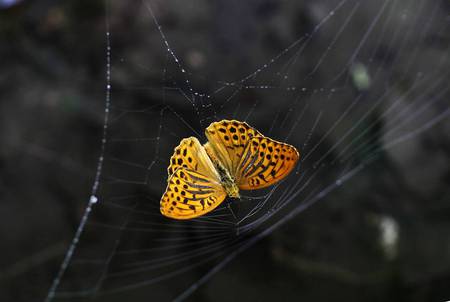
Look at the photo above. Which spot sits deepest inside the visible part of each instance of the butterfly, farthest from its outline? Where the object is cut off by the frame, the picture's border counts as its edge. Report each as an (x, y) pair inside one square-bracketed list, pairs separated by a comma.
[(236, 157)]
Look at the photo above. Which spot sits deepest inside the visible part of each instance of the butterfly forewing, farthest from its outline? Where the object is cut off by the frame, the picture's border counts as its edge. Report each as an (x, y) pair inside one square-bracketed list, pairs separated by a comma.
[(190, 194), (265, 162), (190, 154), (228, 139)]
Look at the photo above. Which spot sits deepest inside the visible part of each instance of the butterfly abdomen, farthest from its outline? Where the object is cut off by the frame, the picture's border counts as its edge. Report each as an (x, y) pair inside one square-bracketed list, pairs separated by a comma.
[(227, 181)]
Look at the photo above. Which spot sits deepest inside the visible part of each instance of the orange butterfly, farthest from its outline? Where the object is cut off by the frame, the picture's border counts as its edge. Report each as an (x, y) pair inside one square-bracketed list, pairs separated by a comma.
[(236, 157)]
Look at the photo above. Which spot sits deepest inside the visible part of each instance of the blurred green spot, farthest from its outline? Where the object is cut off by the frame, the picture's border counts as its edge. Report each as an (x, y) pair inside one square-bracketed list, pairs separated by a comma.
[(70, 103), (360, 76)]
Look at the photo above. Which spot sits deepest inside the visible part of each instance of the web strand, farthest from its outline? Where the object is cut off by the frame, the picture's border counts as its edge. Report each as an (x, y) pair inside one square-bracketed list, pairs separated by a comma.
[(306, 92), (93, 198)]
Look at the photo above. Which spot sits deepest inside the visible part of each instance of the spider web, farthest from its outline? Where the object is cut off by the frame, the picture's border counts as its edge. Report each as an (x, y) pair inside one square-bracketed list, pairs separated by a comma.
[(347, 86)]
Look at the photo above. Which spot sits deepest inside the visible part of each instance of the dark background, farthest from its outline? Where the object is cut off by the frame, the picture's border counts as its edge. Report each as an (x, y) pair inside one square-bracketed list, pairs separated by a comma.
[(52, 103)]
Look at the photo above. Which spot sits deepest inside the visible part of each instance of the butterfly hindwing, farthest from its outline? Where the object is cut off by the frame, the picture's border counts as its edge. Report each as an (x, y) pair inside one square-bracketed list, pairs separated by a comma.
[(265, 162), (190, 194), (228, 139)]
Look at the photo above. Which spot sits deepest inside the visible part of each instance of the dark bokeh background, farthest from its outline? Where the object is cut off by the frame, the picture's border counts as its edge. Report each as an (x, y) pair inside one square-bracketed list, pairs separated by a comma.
[(52, 91)]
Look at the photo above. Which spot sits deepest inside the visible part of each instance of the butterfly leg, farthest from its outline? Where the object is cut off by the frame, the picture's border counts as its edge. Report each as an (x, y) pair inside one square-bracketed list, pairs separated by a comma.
[(230, 208), (231, 204)]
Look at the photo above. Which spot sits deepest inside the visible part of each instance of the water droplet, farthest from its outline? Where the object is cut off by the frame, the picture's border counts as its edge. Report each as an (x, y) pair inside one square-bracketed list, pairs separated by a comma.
[(93, 199)]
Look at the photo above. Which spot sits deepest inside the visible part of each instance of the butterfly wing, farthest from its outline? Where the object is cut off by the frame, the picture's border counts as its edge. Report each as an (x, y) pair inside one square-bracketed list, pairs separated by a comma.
[(228, 139), (264, 162), (190, 194), (194, 187), (190, 154)]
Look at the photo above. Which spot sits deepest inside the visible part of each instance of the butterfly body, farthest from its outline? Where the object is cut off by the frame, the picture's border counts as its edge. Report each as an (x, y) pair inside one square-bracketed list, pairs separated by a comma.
[(236, 157), (227, 181)]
